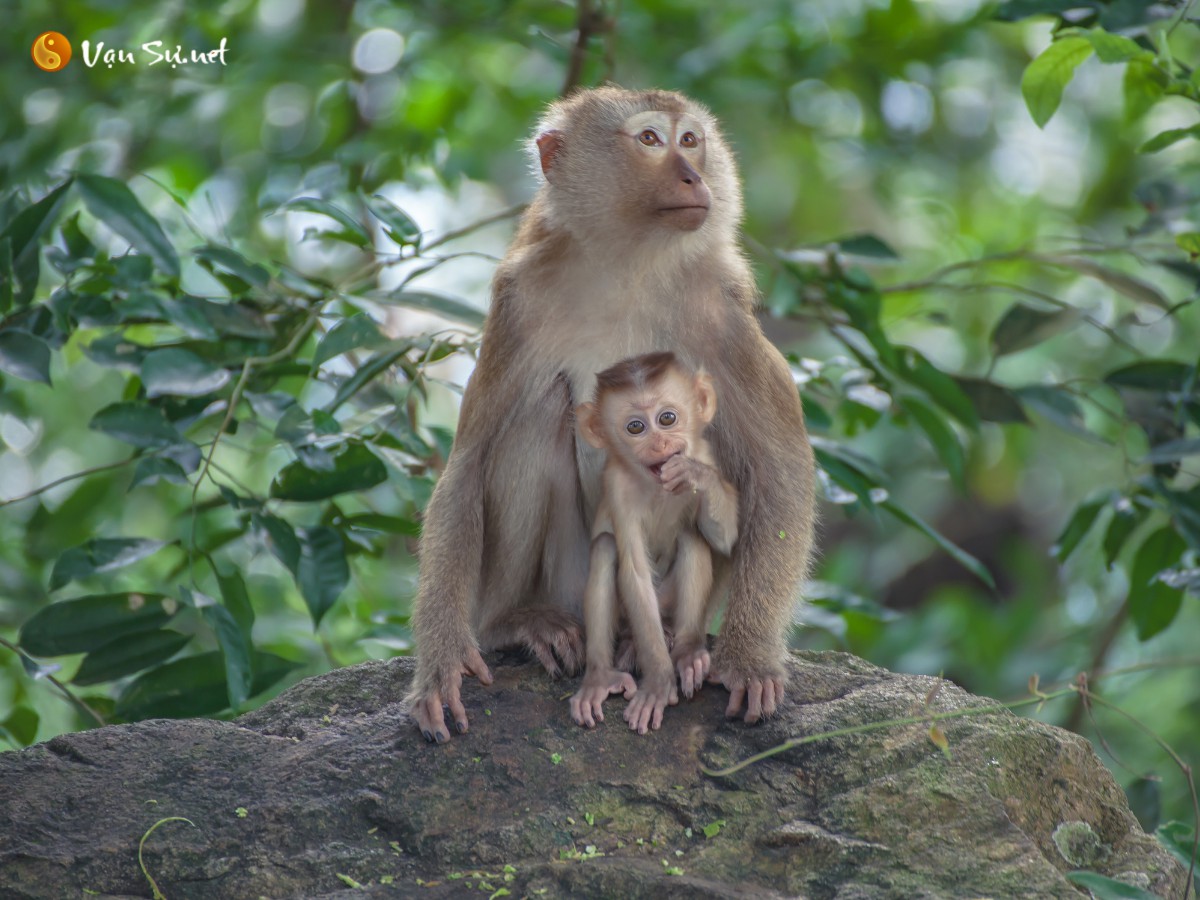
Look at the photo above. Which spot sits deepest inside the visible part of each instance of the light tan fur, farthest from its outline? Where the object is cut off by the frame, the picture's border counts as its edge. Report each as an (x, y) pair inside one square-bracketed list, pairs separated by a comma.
[(666, 509), (593, 276)]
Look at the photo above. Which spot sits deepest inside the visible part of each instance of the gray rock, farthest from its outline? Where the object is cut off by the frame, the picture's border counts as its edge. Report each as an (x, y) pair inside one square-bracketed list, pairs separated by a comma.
[(330, 786)]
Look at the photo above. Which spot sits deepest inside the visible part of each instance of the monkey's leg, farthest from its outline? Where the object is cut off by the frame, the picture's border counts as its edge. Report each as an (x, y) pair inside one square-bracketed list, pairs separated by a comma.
[(657, 688), (693, 577), (600, 615)]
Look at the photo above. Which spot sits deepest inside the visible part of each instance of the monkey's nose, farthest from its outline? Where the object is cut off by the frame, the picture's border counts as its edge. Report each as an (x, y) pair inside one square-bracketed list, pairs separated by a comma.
[(687, 174)]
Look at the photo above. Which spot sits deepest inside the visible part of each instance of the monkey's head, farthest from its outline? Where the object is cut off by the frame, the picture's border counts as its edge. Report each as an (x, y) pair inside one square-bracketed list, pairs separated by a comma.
[(645, 164), (647, 409)]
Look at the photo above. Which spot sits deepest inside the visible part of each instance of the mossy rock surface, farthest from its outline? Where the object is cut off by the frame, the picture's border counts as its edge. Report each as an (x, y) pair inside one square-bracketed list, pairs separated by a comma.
[(329, 786)]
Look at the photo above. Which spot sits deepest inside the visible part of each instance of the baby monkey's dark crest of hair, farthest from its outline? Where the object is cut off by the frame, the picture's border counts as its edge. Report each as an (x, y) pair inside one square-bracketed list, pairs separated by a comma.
[(635, 372)]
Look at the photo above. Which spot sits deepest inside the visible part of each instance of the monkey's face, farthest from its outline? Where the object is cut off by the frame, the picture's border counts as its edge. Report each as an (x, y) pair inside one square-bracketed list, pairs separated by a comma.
[(666, 156), (649, 426)]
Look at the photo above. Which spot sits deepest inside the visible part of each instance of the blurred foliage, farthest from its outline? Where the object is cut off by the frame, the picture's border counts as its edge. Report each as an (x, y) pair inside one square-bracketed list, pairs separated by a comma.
[(237, 303)]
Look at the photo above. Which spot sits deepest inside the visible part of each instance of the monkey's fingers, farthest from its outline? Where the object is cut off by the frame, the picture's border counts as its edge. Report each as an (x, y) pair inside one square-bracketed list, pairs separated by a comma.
[(754, 703), (737, 695), (581, 711), (474, 665), (624, 685), (431, 721), (772, 696), (544, 655)]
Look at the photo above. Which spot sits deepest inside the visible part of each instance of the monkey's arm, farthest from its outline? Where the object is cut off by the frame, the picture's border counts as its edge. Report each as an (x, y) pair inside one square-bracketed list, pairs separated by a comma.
[(766, 452), (717, 514), (452, 539)]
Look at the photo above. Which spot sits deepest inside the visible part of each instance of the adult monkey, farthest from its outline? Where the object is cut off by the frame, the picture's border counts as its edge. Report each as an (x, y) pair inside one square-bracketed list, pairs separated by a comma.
[(629, 246)]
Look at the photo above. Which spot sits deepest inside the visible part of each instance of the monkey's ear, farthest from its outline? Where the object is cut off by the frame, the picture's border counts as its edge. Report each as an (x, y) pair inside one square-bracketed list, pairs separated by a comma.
[(706, 397), (588, 418), (548, 144)]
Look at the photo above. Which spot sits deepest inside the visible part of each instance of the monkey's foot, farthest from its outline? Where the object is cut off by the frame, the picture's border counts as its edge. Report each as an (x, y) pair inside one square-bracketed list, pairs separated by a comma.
[(654, 695), (552, 636), (587, 704), (692, 662), (434, 686), (761, 693), (626, 657)]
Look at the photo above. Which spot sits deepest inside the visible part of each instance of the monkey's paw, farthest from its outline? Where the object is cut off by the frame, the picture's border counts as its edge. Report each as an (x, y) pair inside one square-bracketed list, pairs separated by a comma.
[(587, 704), (654, 694), (555, 638), (761, 693), (432, 689), (692, 662)]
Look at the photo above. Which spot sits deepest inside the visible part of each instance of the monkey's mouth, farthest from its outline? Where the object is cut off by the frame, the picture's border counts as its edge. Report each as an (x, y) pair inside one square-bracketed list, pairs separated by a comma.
[(656, 468), (686, 218)]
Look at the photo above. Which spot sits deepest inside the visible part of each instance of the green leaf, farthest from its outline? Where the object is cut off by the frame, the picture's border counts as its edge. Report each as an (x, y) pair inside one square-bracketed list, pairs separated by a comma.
[(21, 726), (866, 245), (237, 601), (136, 424), (101, 555), (941, 436), (1153, 374), (1189, 242), (355, 232), (1172, 451), (1144, 85), (280, 539), (961, 556), (116, 351), (6, 275), (323, 571), (1153, 605), (234, 262), (1115, 48), (87, 623), (1059, 407), (193, 686), (348, 334), (1178, 838), (31, 223), (1165, 139), (380, 522), (129, 654), (355, 469), (400, 227), (153, 469), (24, 356), (448, 307), (1077, 527), (113, 203), (1103, 888), (943, 389), (24, 234), (367, 372), (236, 320), (992, 402), (176, 372), (1130, 286), (1045, 78), (235, 649), (1124, 522), (1023, 326)]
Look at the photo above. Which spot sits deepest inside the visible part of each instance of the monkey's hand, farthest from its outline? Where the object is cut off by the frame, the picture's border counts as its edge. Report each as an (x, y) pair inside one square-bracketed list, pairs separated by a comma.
[(431, 690), (587, 704), (681, 473), (692, 662), (761, 692), (654, 694)]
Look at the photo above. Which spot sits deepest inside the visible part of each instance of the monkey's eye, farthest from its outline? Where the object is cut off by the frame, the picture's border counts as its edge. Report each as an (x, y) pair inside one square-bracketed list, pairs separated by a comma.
[(689, 140), (666, 418), (650, 138), (635, 426)]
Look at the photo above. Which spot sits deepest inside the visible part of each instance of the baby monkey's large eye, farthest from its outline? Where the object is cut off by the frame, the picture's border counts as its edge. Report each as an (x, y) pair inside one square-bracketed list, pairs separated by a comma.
[(649, 137), (667, 418), (689, 140), (635, 426)]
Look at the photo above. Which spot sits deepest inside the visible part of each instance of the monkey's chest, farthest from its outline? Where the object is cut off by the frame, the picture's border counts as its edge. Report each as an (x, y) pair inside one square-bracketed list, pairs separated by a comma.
[(662, 529)]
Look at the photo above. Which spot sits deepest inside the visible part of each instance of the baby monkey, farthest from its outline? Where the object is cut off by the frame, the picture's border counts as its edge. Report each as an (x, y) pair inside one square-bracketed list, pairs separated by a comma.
[(663, 511)]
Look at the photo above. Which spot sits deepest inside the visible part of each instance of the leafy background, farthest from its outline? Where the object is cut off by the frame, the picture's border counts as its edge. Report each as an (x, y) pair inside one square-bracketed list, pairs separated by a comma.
[(237, 306)]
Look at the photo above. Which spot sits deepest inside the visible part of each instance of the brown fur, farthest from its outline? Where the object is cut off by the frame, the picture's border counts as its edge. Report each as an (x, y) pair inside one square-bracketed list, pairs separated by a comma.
[(591, 278)]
